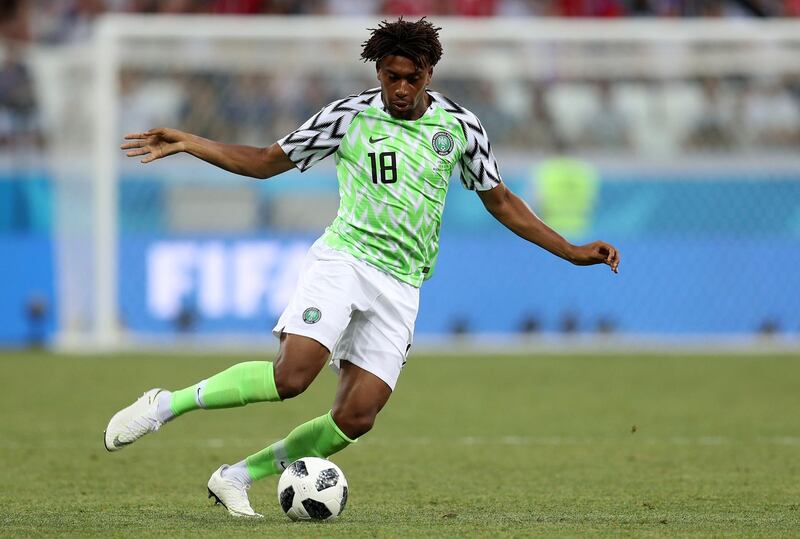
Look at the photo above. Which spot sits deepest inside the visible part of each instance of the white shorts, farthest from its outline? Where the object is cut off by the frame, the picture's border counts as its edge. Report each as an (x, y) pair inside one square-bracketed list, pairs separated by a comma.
[(358, 312)]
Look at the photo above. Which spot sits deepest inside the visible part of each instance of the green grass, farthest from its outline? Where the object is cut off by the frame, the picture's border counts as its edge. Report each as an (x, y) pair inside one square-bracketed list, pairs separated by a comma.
[(494, 446)]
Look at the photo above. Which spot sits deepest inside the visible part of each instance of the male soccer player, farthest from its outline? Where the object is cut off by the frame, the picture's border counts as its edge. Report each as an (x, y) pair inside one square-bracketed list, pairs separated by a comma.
[(356, 301)]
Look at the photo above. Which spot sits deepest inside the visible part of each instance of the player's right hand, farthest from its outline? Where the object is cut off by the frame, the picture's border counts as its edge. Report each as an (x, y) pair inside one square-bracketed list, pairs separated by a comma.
[(154, 144)]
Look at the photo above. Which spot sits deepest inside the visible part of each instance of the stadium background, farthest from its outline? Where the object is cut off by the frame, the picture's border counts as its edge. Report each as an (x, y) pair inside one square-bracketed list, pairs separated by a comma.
[(693, 174)]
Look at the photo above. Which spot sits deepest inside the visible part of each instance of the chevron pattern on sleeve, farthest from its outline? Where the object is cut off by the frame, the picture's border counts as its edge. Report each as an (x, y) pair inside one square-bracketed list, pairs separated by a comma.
[(321, 134), (479, 170)]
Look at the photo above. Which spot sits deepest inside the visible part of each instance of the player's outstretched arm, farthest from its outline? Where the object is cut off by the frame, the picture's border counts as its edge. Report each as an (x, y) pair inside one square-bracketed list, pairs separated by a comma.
[(512, 211), (245, 160)]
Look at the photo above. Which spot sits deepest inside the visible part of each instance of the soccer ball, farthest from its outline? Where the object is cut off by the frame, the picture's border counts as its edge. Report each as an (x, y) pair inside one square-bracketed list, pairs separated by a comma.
[(312, 489)]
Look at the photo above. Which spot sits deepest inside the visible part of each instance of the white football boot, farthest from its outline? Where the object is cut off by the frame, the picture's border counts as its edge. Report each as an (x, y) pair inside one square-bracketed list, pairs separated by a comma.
[(133, 422), (231, 494)]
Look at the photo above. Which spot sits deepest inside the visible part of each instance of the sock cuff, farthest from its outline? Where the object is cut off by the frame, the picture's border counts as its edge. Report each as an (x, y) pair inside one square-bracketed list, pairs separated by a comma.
[(332, 423), (256, 381), (269, 383)]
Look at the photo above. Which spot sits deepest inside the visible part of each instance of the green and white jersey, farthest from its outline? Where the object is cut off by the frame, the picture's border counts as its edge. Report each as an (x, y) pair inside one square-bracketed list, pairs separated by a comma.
[(393, 176)]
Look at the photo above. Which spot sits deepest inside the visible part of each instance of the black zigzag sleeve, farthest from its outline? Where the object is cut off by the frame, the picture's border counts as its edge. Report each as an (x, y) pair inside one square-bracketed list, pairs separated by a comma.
[(479, 170), (321, 134)]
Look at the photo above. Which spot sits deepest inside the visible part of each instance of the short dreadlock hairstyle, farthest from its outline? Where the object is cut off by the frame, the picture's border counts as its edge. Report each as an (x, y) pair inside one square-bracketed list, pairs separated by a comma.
[(418, 41)]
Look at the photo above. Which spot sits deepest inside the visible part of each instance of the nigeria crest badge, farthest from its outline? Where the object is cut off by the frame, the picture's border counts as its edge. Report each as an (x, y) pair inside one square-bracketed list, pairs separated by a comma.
[(311, 315), (442, 143)]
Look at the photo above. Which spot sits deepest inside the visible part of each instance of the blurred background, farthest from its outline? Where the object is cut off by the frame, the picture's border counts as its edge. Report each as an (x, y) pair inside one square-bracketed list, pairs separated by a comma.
[(670, 128)]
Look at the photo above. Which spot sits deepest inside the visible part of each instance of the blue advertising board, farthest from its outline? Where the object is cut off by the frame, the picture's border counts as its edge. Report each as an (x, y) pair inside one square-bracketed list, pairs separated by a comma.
[(495, 283), (27, 289), (710, 253)]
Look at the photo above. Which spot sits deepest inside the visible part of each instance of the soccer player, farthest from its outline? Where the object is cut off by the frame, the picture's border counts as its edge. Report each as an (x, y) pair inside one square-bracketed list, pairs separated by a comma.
[(356, 301)]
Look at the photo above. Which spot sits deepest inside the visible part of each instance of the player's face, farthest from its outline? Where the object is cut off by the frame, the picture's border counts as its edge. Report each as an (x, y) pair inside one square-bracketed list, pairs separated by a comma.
[(403, 87)]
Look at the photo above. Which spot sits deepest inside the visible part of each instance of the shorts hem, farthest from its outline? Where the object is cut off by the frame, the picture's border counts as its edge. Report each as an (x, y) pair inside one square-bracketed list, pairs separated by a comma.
[(335, 365), (304, 332)]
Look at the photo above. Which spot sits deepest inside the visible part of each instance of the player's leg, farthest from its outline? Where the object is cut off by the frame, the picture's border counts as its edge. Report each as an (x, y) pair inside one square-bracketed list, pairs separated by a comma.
[(359, 398), (369, 355), (318, 312), (298, 362), (369, 359)]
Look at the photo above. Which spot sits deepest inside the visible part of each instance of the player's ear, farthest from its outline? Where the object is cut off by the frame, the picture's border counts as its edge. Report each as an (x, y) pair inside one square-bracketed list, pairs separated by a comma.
[(430, 75)]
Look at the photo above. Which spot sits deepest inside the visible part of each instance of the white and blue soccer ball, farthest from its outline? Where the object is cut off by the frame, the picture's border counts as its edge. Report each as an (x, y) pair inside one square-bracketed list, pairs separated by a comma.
[(312, 489)]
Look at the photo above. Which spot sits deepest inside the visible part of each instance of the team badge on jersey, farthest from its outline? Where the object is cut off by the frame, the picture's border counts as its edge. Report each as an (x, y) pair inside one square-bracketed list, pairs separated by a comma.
[(442, 143), (311, 315)]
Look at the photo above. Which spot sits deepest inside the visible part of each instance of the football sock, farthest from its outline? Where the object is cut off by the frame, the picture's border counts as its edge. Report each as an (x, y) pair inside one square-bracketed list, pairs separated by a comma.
[(164, 408), (320, 437), (251, 381), (238, 472)]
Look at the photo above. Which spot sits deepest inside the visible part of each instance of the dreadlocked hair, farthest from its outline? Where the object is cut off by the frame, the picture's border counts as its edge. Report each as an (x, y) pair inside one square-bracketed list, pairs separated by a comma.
[(418, 41)]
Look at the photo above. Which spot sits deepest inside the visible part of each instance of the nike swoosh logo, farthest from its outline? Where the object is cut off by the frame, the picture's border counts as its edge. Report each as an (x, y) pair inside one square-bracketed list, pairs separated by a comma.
[(374, 140), (117, 443)]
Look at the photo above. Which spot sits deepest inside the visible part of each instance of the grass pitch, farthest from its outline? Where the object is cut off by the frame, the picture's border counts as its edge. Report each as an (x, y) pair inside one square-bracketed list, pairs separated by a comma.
[(494, 446)]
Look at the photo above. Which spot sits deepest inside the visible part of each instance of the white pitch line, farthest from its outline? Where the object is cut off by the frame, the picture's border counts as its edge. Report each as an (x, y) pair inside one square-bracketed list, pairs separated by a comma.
[(506, 440)]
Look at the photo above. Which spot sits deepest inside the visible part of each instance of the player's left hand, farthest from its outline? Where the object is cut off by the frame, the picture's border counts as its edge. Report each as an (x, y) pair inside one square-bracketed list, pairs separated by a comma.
[(597, 252)]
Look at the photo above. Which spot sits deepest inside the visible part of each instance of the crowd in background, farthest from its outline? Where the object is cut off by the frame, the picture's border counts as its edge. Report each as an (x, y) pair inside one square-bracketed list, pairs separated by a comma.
[(716, 115), (724, 114)]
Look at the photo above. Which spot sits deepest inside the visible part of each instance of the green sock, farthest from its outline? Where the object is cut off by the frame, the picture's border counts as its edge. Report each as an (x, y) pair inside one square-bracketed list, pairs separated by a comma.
[(320, 437), (251, 381)]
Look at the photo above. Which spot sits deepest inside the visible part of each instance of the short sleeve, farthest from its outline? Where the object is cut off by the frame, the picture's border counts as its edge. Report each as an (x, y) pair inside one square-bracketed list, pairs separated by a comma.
[(321, 134), (479, 171)]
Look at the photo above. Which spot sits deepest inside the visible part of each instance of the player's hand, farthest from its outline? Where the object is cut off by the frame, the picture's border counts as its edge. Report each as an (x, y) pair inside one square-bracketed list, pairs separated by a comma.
[(598, 252), (154, 144)]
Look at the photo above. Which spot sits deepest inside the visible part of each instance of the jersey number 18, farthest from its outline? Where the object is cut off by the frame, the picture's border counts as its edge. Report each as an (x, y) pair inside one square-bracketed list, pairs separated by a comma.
[(386, 164)]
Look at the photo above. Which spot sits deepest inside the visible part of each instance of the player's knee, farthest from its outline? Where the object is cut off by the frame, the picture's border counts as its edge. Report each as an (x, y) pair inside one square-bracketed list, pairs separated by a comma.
[(354, 423), (297, 364), (290, 384)]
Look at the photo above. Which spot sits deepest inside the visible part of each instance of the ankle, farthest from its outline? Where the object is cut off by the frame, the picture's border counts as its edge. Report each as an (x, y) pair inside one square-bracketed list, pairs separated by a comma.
[(238, 472), (164, 407)]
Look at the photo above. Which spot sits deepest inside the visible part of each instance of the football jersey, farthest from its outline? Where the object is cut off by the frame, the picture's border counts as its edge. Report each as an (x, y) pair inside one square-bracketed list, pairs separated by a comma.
[(393, 176)]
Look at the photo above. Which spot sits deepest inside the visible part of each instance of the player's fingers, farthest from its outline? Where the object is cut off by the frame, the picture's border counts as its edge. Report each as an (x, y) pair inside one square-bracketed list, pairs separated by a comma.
[(138, 151), (615, 261), (606, 252), (131, 136), (135, 144)]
